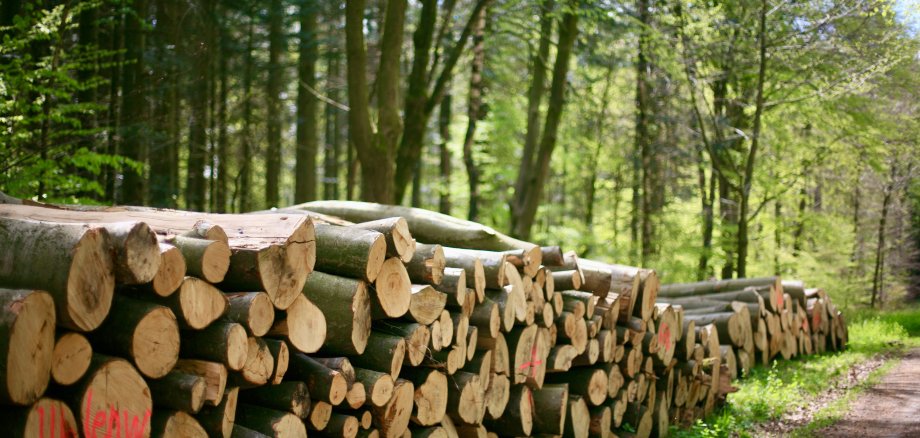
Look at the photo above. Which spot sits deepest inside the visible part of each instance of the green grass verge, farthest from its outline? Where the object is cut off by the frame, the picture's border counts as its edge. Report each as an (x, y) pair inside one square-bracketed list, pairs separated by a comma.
[(767, 393)]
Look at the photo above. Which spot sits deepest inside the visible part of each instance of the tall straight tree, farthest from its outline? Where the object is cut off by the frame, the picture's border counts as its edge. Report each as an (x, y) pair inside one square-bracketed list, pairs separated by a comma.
[(305, 179), (376, 150), (428, 85), (134, 108), (244, 189), (276, 49), (164, 147), (528, 194), (474, 112), (199, 52), (334, 115)]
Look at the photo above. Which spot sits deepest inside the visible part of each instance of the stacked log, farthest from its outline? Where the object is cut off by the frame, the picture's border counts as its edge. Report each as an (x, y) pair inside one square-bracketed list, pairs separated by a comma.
[(352, 319)]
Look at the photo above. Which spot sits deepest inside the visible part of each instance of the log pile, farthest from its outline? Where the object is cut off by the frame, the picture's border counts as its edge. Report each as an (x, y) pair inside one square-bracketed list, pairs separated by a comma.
[(360, 320)]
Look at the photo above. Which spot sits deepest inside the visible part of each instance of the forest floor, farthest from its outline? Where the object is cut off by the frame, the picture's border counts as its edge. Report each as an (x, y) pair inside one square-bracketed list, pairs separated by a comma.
[(890, 408)]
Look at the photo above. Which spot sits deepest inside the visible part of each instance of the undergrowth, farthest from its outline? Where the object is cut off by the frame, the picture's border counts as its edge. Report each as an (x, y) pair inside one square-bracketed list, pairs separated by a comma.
[(767, 393)]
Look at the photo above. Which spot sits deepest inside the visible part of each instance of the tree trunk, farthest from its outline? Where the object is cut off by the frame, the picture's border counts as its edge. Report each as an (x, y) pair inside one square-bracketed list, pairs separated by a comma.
[(878, 278), (134, 111), (748, 181), (527, 200), (244, 190), (163, 189), (539, 66), (274, 85), (474, 113), (305, 180), (200, 52), (333, 115), (444, 130), (223, 146)]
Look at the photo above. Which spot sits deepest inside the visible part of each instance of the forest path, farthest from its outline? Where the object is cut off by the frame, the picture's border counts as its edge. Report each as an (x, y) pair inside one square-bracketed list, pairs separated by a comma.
[(888, 409)]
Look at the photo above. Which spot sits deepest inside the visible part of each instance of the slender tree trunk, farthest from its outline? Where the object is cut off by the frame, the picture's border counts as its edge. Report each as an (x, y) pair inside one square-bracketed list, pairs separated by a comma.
[(245, 163), (645, 136), (474, 113), (134, 113), (376, 151), (857, 236), (200, 54), (799, 223), (728, 225), (305, 184), (444, 128), (333, 116), (214, 45), (417, 95), (748, 181), (777, 236), (599, 138), (878, 276), (419, 107), (416, 200), (116, 34), (89, 39), (276, 49), (223, 146), (162, 146), (528, 200), (539, 66)]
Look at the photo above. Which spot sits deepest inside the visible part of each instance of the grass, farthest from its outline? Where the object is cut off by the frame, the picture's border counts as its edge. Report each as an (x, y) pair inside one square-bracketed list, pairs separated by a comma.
[(767, 393)]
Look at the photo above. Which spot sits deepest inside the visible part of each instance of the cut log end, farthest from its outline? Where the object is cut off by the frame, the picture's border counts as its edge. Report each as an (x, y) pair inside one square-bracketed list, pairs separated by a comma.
[(393, 288), (27, 318), (70, 359), (171, 272), (155, 342), (90, 283)]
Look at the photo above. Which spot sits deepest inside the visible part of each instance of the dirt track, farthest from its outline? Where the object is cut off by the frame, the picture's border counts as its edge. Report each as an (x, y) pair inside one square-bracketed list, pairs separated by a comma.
[(889, 409)]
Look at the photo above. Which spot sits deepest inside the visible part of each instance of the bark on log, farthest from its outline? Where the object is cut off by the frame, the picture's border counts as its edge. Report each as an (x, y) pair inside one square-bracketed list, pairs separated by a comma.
[(71, 261), (196, 304), (396, 232), (551, 406), (427, 264), (253, 310), (178, 390), (146, 333), (518, 419), (323, 382), (271, 422), (454, 285), (205, 259), (350, 252), (385, 353), (290, 396), (26, 344), (213, 373), (426, 226), (378, 385), (218, 420), (415, 335), (347, 305), (225, 343)]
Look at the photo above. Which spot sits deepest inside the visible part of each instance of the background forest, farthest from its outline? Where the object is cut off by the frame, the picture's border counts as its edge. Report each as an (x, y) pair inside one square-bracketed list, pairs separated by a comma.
[(722, 138)]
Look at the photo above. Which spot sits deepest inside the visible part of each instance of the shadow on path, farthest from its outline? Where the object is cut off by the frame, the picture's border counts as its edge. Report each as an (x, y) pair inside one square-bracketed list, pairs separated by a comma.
[(888, 409)]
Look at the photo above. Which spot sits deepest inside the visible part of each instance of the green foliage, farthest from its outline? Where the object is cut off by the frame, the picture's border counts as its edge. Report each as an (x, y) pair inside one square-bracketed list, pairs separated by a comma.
[(768, 393), (48, 145)]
